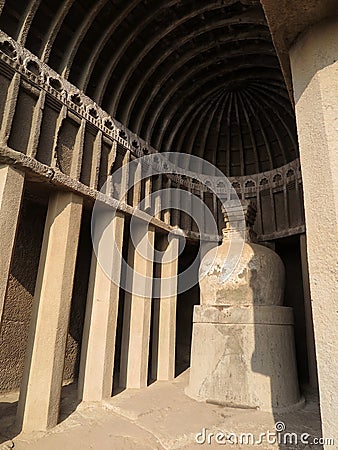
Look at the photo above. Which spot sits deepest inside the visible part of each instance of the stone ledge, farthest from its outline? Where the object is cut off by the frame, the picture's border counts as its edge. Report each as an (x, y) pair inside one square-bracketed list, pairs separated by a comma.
[(42, 173), (250, 315)]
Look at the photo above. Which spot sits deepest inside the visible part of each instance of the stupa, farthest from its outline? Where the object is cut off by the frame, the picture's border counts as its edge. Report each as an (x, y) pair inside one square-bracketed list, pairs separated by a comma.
[(243, 352)]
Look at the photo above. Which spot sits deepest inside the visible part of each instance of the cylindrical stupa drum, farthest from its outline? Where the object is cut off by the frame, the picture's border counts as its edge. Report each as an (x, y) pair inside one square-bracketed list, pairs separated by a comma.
[(243, 352)]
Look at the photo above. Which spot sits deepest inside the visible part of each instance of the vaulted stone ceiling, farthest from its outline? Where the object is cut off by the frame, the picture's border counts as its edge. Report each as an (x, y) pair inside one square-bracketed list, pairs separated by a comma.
[(194, 76)]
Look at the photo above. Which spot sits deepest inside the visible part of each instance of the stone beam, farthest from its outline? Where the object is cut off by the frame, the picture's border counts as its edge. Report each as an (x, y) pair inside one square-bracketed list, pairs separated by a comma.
[(287, 19), (98, 344), (164, 333)]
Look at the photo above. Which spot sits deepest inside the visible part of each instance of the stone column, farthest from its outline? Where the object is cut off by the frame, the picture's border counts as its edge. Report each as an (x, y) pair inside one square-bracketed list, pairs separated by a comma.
[(137, 309), (11, 188), (98, 344), (164, 350), (39, 402), (158, 197), (315, 80), (137, 186)]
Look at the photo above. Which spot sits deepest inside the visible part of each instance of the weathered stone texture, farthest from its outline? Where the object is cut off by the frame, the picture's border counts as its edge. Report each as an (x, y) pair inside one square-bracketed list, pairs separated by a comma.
[(19, 296), (315, 79)]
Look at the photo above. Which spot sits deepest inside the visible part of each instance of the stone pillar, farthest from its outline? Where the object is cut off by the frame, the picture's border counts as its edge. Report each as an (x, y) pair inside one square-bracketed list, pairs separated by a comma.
[(314, 68), (164, 354), (11, 188), (137, 309), (147, 200), (98, 343), (185, 206), (39, 402)]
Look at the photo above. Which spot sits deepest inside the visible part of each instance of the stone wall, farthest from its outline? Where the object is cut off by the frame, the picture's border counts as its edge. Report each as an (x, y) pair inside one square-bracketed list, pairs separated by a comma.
[(20, 291)]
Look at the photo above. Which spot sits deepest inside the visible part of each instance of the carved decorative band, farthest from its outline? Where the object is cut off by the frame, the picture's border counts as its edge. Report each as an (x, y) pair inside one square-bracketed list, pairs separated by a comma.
[(41, 75)]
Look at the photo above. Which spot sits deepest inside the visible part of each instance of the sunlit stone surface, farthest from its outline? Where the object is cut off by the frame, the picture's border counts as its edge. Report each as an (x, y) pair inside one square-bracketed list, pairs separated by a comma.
[(243, 344)]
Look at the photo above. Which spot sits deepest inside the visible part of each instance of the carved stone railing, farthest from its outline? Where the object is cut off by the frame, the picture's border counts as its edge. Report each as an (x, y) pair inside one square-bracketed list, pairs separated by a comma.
[(278, 195), (39, 73), (79, 129)]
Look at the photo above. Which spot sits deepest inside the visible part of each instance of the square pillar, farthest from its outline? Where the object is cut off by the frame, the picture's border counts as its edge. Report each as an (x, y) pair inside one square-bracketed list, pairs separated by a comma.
[(98, 343), (41, 384), (137, 309), (11, 188), (314, 68), (165, 308), (166, 200)]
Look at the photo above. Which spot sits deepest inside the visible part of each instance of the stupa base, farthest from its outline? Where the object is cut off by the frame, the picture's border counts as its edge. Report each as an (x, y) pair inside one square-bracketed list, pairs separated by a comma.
[(244, 357)]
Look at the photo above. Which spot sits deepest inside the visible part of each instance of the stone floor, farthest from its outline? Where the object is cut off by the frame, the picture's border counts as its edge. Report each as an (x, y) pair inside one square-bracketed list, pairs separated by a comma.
[(159, 417)]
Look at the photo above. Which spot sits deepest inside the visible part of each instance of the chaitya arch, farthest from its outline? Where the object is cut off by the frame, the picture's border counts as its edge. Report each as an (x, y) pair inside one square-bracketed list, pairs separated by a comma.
[(137, 138)]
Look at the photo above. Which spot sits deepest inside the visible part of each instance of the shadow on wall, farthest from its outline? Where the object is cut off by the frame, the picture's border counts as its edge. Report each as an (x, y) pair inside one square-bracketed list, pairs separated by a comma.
[(79, 296), (8, 406), (289, 251), (279, 358), (20, 292), (243, 352), (184, 313)]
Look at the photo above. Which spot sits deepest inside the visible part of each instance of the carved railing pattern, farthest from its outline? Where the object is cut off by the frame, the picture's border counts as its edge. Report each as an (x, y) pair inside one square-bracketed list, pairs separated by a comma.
[(275, 184)]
